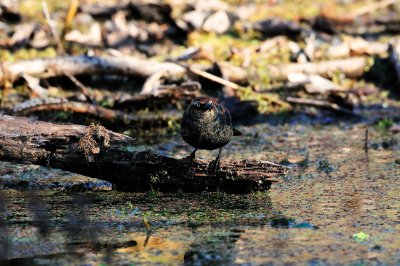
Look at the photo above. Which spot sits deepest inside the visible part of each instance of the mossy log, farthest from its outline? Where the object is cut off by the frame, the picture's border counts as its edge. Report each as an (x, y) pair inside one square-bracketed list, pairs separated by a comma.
[(97, 152)]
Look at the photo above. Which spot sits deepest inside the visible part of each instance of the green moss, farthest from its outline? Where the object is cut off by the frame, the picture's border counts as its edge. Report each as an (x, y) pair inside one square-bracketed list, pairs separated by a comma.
[(261, 194), (267, 103), (154, 194), (22, 90), (128, 208), (22, 54)]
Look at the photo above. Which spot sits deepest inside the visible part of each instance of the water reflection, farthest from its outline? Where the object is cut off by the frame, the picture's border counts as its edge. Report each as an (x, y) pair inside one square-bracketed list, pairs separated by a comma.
[(154, 249)]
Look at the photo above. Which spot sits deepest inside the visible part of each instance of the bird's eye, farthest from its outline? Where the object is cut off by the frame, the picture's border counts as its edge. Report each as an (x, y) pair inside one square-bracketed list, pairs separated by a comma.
[(197, 104)]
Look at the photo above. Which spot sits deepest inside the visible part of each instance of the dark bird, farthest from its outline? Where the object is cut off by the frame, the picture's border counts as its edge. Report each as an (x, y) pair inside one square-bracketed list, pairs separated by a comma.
[(207, 125)]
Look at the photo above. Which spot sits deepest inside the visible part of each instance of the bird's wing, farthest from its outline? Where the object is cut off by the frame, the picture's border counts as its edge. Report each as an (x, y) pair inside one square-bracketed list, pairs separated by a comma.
[(223, 115)]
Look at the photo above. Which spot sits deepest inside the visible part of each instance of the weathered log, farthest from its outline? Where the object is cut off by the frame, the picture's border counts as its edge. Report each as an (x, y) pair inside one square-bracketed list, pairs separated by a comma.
[(352, 67), (353, 47), (86, 65), (97, 152)]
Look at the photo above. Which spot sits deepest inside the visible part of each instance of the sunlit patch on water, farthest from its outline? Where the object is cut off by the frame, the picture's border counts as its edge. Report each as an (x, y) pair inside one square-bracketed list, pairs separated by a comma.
[(155, 249)]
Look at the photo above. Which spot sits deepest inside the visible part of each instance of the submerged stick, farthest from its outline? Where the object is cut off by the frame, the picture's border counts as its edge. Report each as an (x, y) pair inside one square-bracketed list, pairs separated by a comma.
[(98, 152)]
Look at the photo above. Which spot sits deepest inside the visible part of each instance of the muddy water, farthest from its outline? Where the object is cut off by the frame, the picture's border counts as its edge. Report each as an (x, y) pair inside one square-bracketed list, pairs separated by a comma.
[(338, 205)]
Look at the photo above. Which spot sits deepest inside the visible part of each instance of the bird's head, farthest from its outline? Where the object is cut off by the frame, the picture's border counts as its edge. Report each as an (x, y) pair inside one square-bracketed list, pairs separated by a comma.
[(202, 106)]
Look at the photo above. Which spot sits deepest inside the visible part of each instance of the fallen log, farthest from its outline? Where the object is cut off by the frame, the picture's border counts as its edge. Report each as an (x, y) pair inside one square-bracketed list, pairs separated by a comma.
[(86, 65), (97, 152), (353, 67)]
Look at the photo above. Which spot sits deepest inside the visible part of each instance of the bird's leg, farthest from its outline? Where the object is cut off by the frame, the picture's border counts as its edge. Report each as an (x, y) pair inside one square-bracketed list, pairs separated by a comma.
[(218, 159), (215, 165), (193, 155)]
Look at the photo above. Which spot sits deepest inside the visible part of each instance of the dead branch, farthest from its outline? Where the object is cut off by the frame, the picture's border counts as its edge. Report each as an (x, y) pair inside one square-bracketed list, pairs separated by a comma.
[(52, 26), (371, 7), (102, 113), (351, 67), (85, 90), (100, 153), (354, 47), (86, 65), (214, 78)]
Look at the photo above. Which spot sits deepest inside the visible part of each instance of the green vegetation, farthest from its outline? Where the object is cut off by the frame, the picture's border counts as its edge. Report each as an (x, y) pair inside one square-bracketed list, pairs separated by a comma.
[(385, 124)]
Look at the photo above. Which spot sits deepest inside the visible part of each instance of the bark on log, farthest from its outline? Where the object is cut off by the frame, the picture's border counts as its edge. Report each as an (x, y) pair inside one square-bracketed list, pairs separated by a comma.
[(97, 152), (351, 67), (86, 65)]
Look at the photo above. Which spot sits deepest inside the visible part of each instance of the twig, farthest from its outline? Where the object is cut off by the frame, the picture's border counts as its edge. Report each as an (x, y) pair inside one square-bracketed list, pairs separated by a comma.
[(214, 78), (372, 7), (51, 23), (85, 90)]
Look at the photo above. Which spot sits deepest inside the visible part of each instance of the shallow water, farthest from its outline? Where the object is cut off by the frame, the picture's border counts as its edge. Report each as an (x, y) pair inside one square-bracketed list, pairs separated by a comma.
[(338, 205)]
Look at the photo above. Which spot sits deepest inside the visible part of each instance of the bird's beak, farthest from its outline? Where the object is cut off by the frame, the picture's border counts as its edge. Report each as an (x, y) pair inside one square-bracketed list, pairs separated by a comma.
[(208, 105)]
